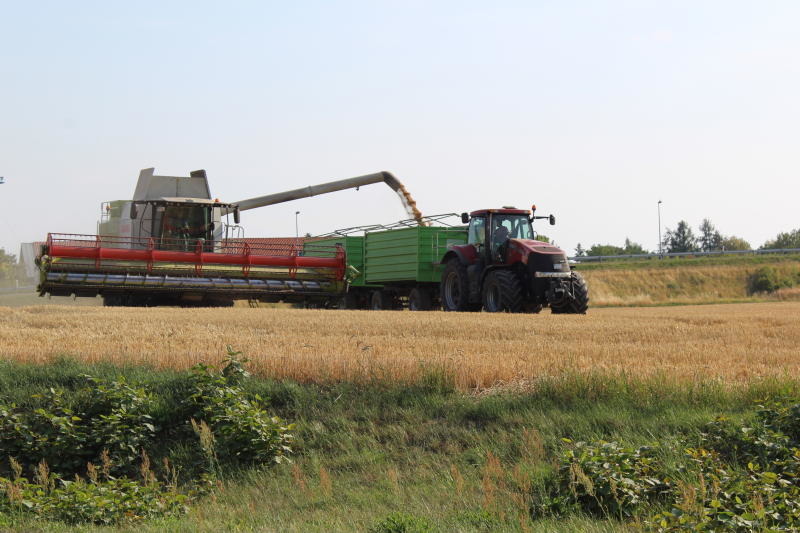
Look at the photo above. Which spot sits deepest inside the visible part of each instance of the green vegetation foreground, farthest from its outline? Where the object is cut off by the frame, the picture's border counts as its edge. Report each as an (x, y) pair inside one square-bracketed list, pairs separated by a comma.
[(425, 457)]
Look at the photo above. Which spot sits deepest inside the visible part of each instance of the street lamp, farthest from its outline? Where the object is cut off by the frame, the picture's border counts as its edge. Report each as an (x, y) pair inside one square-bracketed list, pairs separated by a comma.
[(2, 180), (660, 250), (296, 232)]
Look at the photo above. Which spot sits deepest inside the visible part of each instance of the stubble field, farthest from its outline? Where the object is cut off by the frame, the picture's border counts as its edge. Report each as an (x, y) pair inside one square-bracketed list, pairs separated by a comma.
[(735, 343)]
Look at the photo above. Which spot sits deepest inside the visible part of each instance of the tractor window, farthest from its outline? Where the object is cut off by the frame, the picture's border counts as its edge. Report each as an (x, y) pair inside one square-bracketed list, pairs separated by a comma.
[(477, 227), (511, 227)]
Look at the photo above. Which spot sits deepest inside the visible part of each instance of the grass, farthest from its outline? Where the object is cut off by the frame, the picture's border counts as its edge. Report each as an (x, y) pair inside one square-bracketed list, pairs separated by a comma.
[(677, 262), (464, 462), (479, 351), (681, 282)]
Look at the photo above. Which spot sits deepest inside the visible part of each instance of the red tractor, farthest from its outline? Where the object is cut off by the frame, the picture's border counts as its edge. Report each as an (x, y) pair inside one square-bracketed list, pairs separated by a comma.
[(504, 268)]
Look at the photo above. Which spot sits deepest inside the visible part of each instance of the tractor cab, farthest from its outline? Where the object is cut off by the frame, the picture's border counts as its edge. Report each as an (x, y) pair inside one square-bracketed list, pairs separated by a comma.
[(490, 231)]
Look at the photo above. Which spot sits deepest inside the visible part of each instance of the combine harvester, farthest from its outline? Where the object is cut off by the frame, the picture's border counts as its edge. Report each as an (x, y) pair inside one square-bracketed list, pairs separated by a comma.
[(170, 246)]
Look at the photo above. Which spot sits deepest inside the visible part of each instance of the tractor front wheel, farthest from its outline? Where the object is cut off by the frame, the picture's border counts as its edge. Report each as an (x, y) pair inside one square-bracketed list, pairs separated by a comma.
[(578, 303), (502, 291)]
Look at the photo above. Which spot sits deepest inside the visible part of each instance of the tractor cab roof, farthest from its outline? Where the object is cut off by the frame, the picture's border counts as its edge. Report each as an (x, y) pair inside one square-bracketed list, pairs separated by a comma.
[(503, 211)]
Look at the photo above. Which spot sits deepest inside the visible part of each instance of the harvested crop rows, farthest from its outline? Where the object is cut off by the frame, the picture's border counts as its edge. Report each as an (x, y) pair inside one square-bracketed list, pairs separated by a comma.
[(735, 343)]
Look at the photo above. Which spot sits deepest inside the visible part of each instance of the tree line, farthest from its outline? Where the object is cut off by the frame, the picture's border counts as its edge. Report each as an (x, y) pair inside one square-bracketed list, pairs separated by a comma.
[(683, 239)]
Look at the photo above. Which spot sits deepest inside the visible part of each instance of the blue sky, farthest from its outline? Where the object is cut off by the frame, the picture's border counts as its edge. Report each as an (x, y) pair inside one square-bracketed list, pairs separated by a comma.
[(592, 110)]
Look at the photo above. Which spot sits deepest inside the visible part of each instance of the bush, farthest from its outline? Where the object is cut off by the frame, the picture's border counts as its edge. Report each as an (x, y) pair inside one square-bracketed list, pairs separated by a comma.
[(605, 479), (765, 279), (111, 424), (726, 500), (757, 490), (97, 501), (242, 430), (114, 419)]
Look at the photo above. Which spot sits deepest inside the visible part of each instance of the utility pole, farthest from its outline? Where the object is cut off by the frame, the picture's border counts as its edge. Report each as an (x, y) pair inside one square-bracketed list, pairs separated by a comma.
[(660, 250)]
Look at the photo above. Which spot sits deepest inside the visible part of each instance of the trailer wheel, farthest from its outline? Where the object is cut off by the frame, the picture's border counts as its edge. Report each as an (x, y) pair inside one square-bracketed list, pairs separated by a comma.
[(382, 301), (420, 299), (579, 302), (349, 301), (502, 291), (455, 288)]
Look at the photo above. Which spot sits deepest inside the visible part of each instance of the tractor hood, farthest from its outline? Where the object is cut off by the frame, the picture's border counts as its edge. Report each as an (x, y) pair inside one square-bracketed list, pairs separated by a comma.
[(526, 246)]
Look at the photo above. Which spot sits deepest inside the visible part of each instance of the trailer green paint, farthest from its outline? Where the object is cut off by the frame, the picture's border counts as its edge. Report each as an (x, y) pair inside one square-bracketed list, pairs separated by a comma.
[(354, 249), (409, 255)]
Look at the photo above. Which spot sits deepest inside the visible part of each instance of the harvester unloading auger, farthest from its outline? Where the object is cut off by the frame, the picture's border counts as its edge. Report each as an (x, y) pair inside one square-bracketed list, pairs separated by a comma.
[(169, 246)]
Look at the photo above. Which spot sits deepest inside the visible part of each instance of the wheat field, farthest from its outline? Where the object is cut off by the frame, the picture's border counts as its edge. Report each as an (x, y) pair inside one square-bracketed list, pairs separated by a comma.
[(734, 342)]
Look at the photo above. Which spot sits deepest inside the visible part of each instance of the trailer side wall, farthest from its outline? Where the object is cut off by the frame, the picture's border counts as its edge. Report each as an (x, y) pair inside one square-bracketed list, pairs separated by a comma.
[(409, 254)]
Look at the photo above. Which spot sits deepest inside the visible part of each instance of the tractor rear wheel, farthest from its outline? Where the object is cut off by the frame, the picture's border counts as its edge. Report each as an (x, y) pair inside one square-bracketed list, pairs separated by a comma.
[(419, 299), (455, 288), (502, 291), (579, 302)]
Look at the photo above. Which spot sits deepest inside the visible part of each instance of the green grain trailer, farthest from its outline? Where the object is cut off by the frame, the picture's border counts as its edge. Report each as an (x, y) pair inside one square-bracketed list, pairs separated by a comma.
[(403, 265)]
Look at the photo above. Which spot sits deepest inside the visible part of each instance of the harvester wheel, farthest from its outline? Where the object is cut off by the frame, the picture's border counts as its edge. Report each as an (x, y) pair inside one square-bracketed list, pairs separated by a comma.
[(382, 301), (420, 299), (112, 300), (579, 303), (502, 291), (455, 288)]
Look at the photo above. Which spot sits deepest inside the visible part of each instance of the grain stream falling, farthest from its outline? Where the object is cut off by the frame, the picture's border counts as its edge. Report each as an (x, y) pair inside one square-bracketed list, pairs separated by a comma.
[(736, 342), (410, 204)]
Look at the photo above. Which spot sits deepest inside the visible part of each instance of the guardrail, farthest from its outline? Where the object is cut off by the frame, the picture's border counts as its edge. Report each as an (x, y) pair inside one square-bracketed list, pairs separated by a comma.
[(601, 258)]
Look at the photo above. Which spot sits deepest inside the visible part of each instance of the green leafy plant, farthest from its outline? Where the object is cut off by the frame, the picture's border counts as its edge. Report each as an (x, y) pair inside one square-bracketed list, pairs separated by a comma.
[(99, 499), (723, 499), (744, 479), (605, 479), (114, 417), (242, 429), (111, 424)]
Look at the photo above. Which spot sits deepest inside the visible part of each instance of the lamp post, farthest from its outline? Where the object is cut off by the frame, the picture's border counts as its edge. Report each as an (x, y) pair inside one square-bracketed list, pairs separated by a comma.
[(2, 180), (296, 231), (660, 250)]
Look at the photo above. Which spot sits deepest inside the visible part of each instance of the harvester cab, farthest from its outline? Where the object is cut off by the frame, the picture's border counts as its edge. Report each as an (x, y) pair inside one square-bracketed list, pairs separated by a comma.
[(502, 267)]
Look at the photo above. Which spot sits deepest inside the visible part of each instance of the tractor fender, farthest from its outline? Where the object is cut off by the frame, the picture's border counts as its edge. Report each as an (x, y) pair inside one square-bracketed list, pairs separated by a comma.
[(454, 253)]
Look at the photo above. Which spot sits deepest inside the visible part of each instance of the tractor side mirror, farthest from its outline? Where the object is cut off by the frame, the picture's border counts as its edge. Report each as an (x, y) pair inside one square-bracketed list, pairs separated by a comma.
[(465, 218), (134, 212), (236, 217), (552, 220)]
